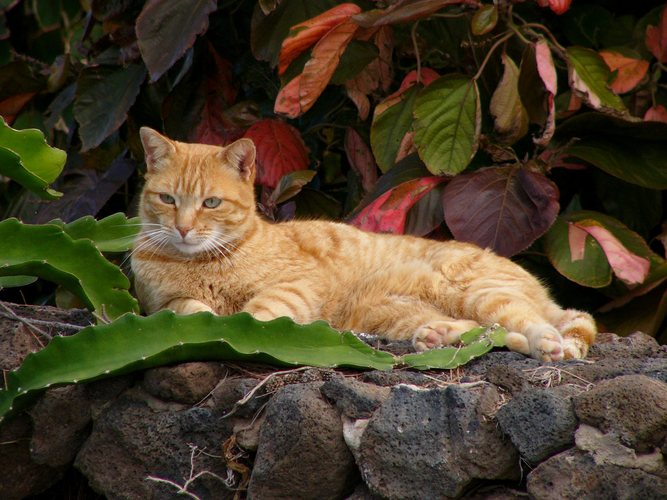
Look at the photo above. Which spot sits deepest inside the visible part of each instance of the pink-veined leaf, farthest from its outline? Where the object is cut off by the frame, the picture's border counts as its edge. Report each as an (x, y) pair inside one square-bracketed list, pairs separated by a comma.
[(405, 11), (305, 34), (545, 66), (656, 114), (388, 212), (361, 159), (577, 240), (630, 71), (502, 208), (627, 266), (299, 95), (280, 150), (656, 38)]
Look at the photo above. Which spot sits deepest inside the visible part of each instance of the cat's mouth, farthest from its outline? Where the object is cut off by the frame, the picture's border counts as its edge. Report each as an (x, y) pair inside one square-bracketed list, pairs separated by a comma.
[(189, 247)]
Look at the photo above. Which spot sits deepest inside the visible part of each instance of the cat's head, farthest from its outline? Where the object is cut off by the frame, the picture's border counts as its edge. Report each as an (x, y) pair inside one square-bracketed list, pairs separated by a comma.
[(197, 198)]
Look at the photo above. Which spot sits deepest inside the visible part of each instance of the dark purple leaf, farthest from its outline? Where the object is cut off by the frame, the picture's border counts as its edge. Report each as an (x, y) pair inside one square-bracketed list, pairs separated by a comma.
[(104, 95), (167, 28), (502, 208)]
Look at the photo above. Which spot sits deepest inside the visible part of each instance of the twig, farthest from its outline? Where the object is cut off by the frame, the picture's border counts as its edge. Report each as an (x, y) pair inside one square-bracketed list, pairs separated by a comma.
[(10, 314), (261, 384), (192, 477), (413, 35)]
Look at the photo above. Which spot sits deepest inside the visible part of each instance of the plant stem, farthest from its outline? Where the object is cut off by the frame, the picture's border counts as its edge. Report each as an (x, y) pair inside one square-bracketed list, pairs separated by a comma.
[(413, 34), (498, 43)]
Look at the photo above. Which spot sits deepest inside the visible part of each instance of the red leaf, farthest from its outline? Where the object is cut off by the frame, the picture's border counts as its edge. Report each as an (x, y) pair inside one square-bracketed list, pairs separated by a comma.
[(405, 11), (545, 66), (361, 158), (280, 150), (558, 6), (218, 92), (387, 213), (13, 105), (656, 114), (299, 95), (656, 38), (504, 209), (577, 240), (630, 71), (307, 33), (627, 266)]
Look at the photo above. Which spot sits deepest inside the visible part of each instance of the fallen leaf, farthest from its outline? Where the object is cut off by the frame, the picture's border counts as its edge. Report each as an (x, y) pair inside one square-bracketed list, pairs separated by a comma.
[(630, 71)]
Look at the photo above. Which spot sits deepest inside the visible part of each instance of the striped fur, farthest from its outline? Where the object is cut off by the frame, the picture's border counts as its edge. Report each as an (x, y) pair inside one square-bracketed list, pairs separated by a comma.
[(227, 259)]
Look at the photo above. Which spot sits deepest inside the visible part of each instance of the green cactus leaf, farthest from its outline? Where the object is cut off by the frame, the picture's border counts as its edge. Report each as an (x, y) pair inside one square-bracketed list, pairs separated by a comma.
[(26, 158), (476, 342), (114, 233), (135, 342), (46, 251)]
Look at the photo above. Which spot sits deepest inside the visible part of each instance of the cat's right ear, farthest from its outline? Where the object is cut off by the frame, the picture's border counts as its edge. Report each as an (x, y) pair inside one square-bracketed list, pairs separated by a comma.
[(157, 148)]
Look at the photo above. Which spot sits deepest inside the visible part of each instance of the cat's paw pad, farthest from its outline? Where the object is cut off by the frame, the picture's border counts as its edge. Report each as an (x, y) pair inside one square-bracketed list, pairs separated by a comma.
[(441, 332), (574, 348), (546, 344)]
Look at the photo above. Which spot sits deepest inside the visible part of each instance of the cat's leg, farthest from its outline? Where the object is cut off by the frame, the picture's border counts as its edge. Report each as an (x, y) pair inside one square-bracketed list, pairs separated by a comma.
[(183, 305), (406, 318), (295, 300)]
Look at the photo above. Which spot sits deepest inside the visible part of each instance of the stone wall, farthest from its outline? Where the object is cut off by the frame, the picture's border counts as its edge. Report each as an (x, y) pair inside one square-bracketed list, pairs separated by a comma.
[(502, 427)]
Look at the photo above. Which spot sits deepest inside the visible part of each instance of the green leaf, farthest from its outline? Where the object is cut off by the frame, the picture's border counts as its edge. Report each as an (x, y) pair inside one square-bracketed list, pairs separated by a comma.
[(588, 76), (593, 270), (167, 28), (389, 129), (26, 158), (134, 343), (475, 343), (114, 233), (510, 117), (484, 20), (358, 54), (46, 251), (290, 185), (447, 124), (635, 152), (104, 95), (16, 281), (47, 13)]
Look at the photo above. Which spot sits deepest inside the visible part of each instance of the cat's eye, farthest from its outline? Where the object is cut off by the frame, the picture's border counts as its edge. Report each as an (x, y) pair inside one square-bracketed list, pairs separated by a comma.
[(167, 198), (212, 202)]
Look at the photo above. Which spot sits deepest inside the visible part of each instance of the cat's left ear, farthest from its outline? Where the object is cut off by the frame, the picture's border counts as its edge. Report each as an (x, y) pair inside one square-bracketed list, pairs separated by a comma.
[(241, 156)]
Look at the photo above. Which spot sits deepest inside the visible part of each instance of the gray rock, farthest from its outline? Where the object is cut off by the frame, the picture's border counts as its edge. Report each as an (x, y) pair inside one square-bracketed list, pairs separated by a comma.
[(480, 366), (301, 451), (231, 390), (574, 475), (508, 378), (132, 441), (21, 477), (394, 377), (186, 383), (60, 425), (434, 443), (636, 345), (539, 423), (354, 399), (634, 407)]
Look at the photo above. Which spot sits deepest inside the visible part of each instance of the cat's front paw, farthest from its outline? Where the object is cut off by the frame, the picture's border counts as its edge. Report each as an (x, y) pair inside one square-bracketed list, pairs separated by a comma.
[(546, 343), (439, 333), (574, 348)]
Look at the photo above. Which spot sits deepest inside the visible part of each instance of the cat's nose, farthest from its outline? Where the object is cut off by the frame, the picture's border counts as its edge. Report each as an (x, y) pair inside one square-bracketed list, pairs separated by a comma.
[(183, 230)]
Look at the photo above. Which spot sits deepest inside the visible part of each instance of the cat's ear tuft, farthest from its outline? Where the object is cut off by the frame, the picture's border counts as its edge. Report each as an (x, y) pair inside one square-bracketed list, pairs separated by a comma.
[(241, 156), (157, 148)]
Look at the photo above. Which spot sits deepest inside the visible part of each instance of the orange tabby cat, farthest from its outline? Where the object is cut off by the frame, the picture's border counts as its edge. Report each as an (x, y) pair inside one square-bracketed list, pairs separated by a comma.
[(203, 247)]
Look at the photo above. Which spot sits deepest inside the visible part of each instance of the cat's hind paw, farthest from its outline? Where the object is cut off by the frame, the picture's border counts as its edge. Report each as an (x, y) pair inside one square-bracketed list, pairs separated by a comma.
[(574, 348), (546, 344), (439, 333)]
